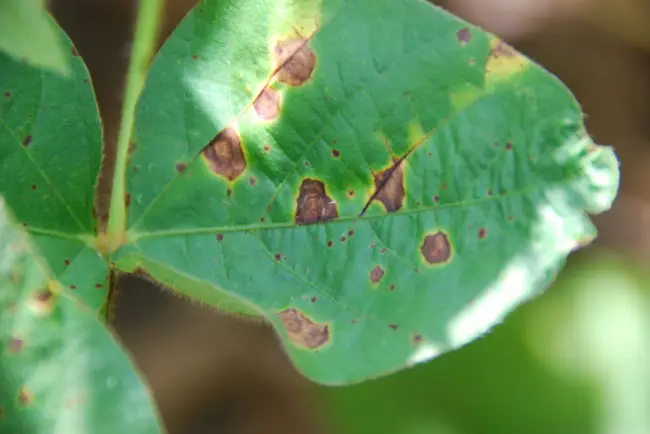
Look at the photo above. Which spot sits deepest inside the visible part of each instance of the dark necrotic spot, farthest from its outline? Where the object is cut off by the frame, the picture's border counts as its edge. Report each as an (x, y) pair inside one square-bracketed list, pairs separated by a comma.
[(195, 57), (252, 181), (66, 262), (482, 233), (313, 204), (180, 167), (72, 287), (330, 243), (267, 104), (98, 285), (225, 154), (508, 146), (33, 186), (303, 331), (417, 339), (7, 95), (436, 248), (313, 299), (336, 153), (131, 148), (376, 274), (27, 141), (278, 256), (464, 35), (392, 287), (127, 199), (350, 232), (393, 326), (343, 238), (295, 60), (389, 187)]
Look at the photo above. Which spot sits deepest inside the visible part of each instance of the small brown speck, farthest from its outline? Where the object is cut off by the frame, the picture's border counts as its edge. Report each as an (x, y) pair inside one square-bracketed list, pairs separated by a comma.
[(33, 186), (343, 239), (393, 326), (313, 299), (482, 233), (219, 237), (180, 167), (508, 146), (350, 232), (27, 141), (278, 256), (66, 262), (336, 153), (330, 243), (252, 181)]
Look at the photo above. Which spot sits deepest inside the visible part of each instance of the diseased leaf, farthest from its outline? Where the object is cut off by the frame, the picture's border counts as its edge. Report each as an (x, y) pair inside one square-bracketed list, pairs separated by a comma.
[(50, 153), (28, 32), (61, 371), (381, 179)]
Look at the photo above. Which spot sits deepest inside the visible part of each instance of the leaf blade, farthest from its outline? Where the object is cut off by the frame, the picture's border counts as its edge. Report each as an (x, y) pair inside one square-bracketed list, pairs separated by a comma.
[(62, 371), (400, 169)]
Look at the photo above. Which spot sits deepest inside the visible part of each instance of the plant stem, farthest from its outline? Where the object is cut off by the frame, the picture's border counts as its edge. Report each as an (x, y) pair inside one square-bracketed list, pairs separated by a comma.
[(146, 32)]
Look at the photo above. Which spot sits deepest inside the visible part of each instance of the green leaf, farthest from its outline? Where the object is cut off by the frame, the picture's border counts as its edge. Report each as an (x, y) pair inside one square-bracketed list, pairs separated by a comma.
[(50, 147), (60, 369), (380, 179), (28, 32)]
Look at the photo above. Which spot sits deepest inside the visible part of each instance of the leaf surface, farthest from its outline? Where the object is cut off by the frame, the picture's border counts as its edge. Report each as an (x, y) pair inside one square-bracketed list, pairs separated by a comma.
[(50, 153), (61, 371), (28, 32), (380, 179)]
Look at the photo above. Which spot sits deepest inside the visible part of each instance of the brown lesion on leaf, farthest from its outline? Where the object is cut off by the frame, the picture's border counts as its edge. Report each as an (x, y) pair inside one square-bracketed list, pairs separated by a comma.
[(295, 61), (180, 167), (41, 302), (313, 204), (436, 248), (464, 36), (389, 187), (15, 345), (376, 274), (302, 331), (267, 104), (225, 155), (127, 199), (25, 397)]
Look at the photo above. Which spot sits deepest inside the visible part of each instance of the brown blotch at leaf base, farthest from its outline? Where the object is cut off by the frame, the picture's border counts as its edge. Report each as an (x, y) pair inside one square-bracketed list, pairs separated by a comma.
[(267, 104), (376, 274), (225, 155), (302, 331), (436, 248), (295, 60), (389, 187), (313, 204)]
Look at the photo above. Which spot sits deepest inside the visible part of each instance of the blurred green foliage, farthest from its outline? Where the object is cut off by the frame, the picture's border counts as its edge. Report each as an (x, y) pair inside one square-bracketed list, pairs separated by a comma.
[(576, 361)]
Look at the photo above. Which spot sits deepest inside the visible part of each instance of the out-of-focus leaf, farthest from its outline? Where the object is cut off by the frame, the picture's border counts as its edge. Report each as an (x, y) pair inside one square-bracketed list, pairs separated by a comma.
[(28, 32)]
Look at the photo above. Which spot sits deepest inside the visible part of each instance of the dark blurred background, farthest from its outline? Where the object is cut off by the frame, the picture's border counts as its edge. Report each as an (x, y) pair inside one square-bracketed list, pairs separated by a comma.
[(576, 361)]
